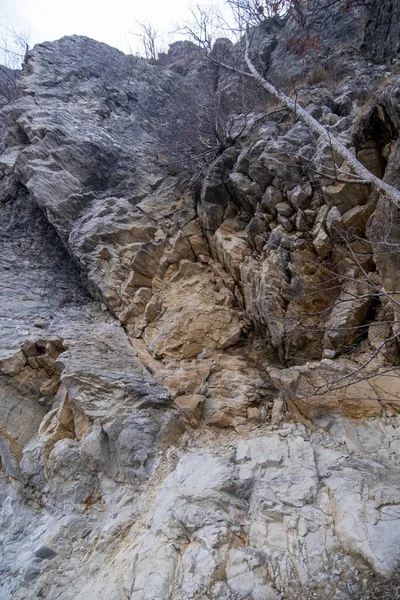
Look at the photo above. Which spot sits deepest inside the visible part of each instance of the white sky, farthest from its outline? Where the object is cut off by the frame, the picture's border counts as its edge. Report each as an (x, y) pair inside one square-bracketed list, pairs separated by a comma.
[(109, 21)]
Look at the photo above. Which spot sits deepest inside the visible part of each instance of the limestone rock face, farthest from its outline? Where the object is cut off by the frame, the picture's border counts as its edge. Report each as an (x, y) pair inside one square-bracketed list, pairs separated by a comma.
[(383, 26), (320, 390), (193, 314), (198, 387), (64, 365), (254, 518), (271, 494)]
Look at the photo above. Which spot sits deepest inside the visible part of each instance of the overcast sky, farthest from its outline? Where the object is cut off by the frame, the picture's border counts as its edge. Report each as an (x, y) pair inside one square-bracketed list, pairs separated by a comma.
[(109, 21)]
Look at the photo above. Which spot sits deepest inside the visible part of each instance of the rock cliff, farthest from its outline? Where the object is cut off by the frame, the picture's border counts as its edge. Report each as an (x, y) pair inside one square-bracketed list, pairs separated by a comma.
[(198, 387)]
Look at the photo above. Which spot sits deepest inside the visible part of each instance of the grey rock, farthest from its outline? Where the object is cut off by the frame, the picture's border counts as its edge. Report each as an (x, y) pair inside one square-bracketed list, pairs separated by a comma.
[(328, 353), (333, 219), (274, 240), (41, 323), (284, 209), (288, 225), (247, 192), (301, 221), (300, 196), (44, 552), (270, 199), (381, 38), (310, 215), (256, 228), (32, 570)]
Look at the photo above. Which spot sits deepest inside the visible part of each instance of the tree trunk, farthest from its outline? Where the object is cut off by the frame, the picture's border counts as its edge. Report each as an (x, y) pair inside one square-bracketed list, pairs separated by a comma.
[(366, 177)]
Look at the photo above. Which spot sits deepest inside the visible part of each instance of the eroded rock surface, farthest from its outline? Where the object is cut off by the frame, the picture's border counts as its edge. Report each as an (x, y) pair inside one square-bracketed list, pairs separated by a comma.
[(198, 391)]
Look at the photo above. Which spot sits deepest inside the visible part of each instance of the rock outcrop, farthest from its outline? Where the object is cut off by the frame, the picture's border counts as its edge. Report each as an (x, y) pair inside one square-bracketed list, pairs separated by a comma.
[(198, 388)]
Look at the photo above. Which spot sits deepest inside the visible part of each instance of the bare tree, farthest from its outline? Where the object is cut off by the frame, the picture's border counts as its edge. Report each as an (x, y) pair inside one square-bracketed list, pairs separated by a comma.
[(206, 117), (360, 173), (254, 12), (211, 110), (14, 45), (309, 13), (204, 25), (13, 48), (148, 37)]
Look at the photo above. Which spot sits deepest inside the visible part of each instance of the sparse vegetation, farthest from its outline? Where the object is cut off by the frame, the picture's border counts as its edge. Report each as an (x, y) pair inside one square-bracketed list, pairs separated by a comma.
[(13, 48)]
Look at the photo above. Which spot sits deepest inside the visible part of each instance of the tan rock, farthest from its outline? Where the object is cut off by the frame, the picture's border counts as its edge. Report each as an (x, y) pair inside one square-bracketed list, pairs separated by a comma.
[(191, 406), (10, 452), (179, 248), (322, 242), (193, 313), (356, 218), (345, 195), (320, 218), (13, 363), (371, 158), (263, 287), (199, 247), (348, 314), (197, 240), (152, 365), (230, 247), (50, 387), (186, 270), (21, 410), (187, 377), (329, 388), (141, 298), (236, 392), (185, 332), (221, 274)]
